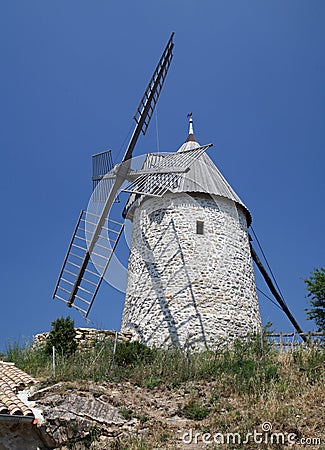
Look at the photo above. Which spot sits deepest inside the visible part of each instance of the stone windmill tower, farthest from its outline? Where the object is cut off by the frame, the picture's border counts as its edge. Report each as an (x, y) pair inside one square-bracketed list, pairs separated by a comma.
[(190, 273), (190, 277)]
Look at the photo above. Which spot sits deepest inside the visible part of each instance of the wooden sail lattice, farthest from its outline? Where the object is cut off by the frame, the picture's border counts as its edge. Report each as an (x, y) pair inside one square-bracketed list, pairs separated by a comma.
[(164, 175), (77, 288), (102, 163), (150, 97), (88, 285)]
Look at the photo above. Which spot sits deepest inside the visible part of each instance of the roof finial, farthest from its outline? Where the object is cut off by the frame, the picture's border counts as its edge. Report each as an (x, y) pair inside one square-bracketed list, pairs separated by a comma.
[(190, 116), (190, 136)]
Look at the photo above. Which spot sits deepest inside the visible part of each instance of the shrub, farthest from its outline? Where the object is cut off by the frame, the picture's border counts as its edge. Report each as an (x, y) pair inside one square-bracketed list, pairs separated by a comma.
[(62, 337), (152, 382), (126, 413), (195, 411), (316, 291), (131, 353)]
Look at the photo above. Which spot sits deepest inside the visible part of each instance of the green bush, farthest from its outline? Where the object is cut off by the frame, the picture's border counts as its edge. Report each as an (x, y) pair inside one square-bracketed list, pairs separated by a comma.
[(316, 291), (126, 413), (132, 353), (62, 337), (195, 411), (152, 382)]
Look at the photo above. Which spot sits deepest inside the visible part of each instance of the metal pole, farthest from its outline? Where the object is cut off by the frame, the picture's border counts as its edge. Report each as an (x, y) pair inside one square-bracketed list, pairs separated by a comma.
[(53, 360), (262, 347), (293, 341), (114, 348)]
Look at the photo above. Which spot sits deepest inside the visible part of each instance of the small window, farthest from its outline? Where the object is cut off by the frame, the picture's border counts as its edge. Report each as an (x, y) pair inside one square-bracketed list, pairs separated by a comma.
[(199, 227)]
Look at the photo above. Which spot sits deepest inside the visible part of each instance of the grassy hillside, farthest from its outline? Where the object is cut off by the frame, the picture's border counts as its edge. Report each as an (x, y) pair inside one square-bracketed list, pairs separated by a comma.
[(169, 392)]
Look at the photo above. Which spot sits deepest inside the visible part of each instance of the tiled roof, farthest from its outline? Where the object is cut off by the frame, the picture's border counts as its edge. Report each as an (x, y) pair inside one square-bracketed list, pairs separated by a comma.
[(13, 380)]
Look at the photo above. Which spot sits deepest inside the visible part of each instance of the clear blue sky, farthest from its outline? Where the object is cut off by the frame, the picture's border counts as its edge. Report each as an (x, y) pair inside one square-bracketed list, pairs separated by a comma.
[(72, 73)]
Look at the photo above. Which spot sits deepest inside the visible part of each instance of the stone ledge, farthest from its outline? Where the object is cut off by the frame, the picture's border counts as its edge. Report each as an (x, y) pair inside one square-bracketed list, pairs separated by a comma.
[(86, 337)]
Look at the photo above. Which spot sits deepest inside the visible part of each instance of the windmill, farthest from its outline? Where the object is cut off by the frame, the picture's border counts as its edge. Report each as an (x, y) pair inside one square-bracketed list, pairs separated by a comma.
[(97, 234), (85, 264)]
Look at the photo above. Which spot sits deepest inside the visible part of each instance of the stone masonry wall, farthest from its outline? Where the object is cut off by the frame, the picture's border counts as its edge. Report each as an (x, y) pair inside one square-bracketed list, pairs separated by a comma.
[(87, 337), (185, 288)]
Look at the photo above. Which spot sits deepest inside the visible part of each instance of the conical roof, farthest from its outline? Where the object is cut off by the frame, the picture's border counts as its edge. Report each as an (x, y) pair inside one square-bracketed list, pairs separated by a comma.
[(203, 176)]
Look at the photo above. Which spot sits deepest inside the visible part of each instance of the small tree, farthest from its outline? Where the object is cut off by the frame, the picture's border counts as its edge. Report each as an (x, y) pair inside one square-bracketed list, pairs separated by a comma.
[(62, 336), (316, 291)]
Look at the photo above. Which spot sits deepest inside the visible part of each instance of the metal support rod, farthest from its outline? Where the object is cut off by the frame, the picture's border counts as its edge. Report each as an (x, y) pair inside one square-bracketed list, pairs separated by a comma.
[(281, 342), (262, 347), (275, 293), (53, 360), (114, 349)]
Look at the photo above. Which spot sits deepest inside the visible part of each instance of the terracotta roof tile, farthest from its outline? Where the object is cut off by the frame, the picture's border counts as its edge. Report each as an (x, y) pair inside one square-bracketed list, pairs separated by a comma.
[(13, 380)]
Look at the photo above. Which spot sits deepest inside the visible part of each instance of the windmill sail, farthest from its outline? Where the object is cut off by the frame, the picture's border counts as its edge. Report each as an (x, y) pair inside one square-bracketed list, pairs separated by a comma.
[(102, 163), (89, 250), (150, 97), (152, 92), (96, 266)]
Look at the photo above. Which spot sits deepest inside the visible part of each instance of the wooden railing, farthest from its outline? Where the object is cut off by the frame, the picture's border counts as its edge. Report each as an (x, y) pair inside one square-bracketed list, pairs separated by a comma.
[(287, 341)]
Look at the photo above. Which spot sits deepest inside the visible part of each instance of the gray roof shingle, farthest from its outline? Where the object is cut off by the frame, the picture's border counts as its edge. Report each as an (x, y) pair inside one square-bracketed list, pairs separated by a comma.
[(203, 177)]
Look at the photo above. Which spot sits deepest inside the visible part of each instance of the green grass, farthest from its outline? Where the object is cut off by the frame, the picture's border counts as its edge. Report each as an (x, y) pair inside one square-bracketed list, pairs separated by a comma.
[(235, 388), (126, 413), (194, 410), (134, 444), (242, 369)]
